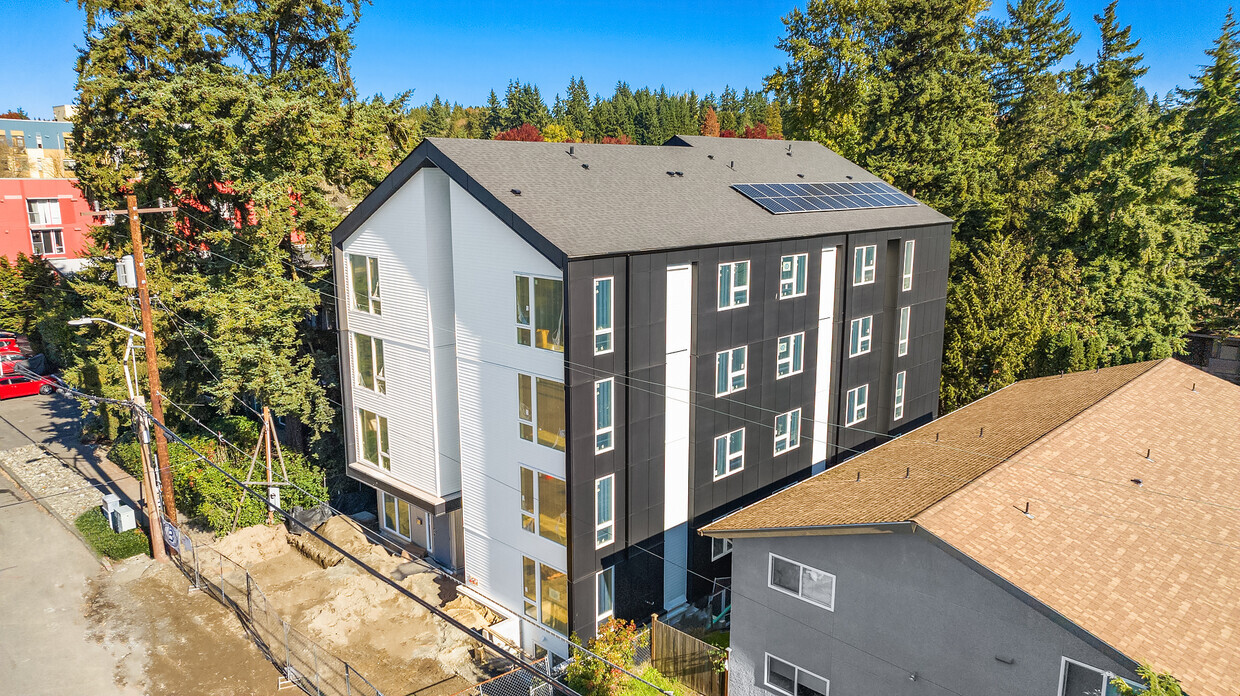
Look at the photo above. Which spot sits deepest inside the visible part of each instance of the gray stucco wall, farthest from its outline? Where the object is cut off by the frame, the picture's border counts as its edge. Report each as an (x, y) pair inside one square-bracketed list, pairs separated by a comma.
[(906, 606)]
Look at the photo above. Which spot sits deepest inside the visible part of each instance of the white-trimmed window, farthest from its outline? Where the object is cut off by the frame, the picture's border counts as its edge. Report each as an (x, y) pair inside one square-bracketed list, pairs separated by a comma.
[(787, 431), (43, 211), (729, 453), (804, 582), (374, 440), (47, 242), (540, 411), (719, 548), (605, 595), (540, 312), (905, 316), (604, 432), (364, 277), (604, 511), (544, 508), (860, 336), (898, 402), (787, 678), (907, 276), (733, 284), (603, 326), (1079, 679), (730, 370), (858, 401), (368, 370), (864, 264), (545, 590), (790, 355), (396, 514), (792, 274)]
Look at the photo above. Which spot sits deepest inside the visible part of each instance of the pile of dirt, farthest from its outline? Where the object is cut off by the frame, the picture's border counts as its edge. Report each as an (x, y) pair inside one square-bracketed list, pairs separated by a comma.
[(346, 534), (470, 613), (253, 545), (316, 550)]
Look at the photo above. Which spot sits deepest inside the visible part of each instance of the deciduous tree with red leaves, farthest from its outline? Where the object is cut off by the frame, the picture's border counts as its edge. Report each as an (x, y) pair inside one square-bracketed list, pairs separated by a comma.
[(756, 132), (621, 140), (525, 132), (727, 133)]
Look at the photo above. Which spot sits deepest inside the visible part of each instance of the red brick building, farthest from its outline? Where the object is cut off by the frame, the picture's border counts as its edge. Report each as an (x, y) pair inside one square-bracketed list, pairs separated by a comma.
[(43, 217)]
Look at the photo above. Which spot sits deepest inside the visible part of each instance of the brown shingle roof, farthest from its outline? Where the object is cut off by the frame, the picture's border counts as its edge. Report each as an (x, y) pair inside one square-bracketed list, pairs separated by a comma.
[(1152, 570)]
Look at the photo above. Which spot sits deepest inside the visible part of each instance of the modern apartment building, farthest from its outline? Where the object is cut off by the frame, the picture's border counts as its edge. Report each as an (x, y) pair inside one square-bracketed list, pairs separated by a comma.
[(45, 148), (44, 218), (562, 360)]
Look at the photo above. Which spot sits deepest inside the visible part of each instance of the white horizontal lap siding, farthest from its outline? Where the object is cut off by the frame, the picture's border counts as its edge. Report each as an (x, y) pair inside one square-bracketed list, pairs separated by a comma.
[(396, 234), (487, 255)]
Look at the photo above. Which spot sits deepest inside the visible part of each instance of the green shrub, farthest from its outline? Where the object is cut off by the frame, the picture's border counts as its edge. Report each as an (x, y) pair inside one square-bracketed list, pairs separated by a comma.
[(94, 526), (632, 687)]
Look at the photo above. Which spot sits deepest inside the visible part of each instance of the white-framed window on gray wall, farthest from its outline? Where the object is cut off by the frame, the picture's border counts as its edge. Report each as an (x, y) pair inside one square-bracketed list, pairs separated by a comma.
[(604, 399), (801, 581), (860, 336), (733, 284), (786, 678), (540, 411), (544, 507), (858, 404), (605, 595), (905, 316), (906, 281), (790, 355), (364, 277), (1079, 679), (729, 453), (374, 440), (604, 511), (369, 369), (603, 305), (787, 431), (897, 408), (719, 548), (396, 514), (545, 590), (540, 312), (793, 271), (730, 370), (864, 263)]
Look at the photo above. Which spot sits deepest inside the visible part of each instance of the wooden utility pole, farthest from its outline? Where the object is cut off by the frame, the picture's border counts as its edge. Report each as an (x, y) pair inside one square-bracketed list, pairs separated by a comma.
[(152, 353), (154, 524)]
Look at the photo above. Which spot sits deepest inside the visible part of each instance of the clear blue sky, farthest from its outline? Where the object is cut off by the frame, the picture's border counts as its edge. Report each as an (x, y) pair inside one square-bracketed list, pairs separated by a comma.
[(461, 50)]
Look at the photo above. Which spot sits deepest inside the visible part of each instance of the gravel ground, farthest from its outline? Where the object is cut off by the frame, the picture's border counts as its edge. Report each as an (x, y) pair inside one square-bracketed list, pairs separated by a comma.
[(58, 486)]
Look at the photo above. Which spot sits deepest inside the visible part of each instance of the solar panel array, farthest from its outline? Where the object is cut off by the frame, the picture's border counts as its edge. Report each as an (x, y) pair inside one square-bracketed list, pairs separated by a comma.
[(812, 198)]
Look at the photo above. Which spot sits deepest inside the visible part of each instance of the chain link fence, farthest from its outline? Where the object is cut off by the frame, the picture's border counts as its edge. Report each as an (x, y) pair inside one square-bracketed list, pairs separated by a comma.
[(304, 663), (517, 682)]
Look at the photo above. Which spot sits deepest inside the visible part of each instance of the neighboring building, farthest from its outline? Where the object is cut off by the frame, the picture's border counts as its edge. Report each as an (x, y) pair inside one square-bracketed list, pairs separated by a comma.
[(562, 359), (1036, 541), (1216, 353), (46, 145), (44, 218)]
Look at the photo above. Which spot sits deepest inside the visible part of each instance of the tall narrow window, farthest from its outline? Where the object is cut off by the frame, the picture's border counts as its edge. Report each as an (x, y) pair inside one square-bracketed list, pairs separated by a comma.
[(374, 439), (553, 590), (552, 509), (863, 265), (907, 279), (602, 316), (858, 403), (396, 514), (604, 511), (604, 440), (897, 409), (733, 284), (605, 601), (540, 411), (369, 368), (729, 453), (902, 346), (525, 406), (529, 586), (860, 336), (540, 321), (787, 431), (792, 273), (364, 274), (529, 514), (730, 370), (789, 355)]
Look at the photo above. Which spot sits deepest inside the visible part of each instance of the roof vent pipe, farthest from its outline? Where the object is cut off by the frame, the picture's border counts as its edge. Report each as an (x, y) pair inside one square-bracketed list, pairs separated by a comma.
[(570, 149), (516, 192)]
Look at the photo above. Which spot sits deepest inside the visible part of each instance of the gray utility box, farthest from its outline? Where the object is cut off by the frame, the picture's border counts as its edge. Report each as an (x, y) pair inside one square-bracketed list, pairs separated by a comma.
[(122, 519), (111, 501)]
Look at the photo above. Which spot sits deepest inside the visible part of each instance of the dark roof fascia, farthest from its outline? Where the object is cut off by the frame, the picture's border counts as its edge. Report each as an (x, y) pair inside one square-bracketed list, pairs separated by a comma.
[(1028, 600), (426, 154), (816, 530)]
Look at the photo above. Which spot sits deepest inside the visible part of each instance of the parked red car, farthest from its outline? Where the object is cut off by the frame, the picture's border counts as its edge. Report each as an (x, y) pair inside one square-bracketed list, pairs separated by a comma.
[(12, 386)]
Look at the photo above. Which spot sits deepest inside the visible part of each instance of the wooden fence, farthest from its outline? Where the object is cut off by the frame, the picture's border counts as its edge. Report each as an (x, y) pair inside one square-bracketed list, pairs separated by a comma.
[(692, 662)]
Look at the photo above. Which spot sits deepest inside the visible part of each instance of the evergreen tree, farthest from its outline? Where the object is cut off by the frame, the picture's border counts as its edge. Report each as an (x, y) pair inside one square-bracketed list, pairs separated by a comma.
[(577, 109), (496, 117), (437, 123)]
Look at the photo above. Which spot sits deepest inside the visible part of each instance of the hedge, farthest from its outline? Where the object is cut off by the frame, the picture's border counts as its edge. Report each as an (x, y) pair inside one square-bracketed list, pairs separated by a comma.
[(94, 526)]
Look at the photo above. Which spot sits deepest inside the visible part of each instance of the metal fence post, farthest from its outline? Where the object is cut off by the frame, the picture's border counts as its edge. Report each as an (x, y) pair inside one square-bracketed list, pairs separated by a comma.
[(287, 656), (197, 572)]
